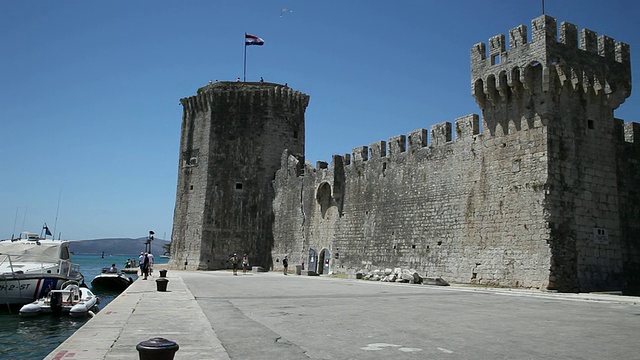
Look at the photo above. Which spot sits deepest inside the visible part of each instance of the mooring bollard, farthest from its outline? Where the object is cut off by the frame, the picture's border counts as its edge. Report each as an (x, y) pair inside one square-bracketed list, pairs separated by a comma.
[(157, 349), (163, 273), (161, 283)]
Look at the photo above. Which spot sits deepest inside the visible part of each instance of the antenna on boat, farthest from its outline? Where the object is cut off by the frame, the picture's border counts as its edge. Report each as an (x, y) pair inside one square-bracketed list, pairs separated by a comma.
[(55, 224), (24, 218), (13, 232)]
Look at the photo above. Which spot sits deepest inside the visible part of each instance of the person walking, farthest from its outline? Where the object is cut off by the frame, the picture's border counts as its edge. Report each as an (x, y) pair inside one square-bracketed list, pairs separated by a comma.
[(285, 264), (234, 264), (245, 263)]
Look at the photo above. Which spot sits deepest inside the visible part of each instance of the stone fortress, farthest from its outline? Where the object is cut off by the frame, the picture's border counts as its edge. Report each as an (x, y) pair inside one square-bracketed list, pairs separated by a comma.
[(545, 196)]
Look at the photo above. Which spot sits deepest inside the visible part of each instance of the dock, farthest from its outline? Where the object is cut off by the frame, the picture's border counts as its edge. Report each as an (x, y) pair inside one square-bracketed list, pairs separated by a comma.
[(270, 316)]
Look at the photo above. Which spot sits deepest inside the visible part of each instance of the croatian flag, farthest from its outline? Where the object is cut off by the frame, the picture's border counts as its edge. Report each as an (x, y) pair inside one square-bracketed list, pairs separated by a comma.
[(252, 40)]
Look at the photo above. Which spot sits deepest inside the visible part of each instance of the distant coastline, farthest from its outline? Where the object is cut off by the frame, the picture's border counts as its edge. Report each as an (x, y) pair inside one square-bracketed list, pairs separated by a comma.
[(117, 246)]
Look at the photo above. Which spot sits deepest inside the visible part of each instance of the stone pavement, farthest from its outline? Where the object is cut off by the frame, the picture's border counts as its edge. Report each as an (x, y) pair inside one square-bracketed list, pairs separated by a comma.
[(269, 316)]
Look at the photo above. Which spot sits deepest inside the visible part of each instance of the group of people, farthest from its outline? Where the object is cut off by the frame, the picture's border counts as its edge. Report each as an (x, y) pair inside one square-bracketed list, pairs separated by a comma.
[(130, 263), (146, 264), (234, 263), (245, 264)]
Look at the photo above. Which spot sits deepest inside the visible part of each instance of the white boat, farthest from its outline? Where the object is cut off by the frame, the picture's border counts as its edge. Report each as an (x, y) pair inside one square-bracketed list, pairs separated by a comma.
[(31, 266), (72, 299), (111, 280)]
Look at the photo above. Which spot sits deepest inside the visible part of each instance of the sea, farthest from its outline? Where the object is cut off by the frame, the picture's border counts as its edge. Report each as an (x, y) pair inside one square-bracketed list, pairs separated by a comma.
[(33, 338)]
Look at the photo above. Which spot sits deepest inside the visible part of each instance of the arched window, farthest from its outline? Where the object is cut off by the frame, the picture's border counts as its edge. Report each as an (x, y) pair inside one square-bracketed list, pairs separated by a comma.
[(323, 197)]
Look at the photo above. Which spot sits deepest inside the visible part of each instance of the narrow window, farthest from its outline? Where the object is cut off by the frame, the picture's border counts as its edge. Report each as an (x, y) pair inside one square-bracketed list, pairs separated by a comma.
[(238, 186), (590, 124)]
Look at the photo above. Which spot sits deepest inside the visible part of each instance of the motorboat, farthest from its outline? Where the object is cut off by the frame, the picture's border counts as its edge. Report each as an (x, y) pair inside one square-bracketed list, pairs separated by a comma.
[(130, 270), (72, 299), (111, 279), (31, 266)]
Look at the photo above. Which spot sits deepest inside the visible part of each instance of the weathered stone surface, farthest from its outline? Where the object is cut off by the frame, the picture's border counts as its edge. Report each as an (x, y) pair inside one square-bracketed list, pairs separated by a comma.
[(540, 194), (434, 281)]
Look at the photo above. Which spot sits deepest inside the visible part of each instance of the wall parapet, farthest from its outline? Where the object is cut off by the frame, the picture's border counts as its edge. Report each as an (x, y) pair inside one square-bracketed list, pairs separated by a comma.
[(227, 92), (466, 127)]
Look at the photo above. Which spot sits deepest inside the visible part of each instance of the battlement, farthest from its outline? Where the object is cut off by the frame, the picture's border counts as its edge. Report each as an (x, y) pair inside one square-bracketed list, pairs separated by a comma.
[(466, 127), (227, 92), (596, 64)]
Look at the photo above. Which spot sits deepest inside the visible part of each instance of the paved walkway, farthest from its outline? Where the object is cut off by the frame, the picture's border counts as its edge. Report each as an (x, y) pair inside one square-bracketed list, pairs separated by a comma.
[(215, 315), (141, 313)]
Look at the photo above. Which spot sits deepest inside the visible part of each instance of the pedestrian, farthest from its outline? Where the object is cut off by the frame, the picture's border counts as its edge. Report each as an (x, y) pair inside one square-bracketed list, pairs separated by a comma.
[(285, 263), (141, 263), (261, 79), (234, 264), (145, 266), (245, 263), (151, 262)]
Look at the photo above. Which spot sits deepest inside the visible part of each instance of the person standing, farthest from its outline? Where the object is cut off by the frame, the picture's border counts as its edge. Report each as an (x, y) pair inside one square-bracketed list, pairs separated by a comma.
[(285, 264), (234, 264), (245, 263), (141, 263), (145, 266), (151, 262)]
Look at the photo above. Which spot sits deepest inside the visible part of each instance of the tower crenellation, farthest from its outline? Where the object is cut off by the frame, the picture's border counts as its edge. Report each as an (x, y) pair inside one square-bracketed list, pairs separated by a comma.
[(596, 64)]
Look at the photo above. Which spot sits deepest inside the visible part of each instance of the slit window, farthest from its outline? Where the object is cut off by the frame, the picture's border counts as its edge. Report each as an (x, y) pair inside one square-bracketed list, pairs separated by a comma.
[(238, 186)]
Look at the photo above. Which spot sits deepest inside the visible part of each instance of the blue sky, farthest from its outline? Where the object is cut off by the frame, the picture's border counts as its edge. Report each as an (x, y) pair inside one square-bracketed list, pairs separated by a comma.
[(89, 90)]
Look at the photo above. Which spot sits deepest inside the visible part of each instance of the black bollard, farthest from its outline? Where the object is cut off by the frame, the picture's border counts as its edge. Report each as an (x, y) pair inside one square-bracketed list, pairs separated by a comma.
[(161, 284), (163, 273), (157, 349)]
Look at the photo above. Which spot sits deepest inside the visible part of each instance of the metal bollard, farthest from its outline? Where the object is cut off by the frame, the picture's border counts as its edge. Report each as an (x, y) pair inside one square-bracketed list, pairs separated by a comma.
[(161, 284), (157, 349), (163, 273)]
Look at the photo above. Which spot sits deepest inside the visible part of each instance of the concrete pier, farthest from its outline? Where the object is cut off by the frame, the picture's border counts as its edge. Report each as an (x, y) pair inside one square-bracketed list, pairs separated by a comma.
[(215, 315)]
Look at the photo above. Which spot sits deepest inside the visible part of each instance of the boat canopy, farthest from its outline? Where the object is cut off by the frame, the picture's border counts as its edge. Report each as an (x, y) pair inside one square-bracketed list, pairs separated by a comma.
[(43, 251)]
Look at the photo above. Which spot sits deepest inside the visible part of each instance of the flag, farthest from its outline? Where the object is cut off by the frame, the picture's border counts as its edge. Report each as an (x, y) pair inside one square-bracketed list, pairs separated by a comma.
[(47, 231), (252, 40)]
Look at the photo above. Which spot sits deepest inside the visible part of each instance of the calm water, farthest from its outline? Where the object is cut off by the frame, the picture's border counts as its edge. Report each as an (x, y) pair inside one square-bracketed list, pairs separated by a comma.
[(34, 338)]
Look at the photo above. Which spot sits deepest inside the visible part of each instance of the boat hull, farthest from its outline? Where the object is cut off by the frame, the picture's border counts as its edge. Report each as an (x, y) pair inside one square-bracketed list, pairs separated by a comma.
[(84, 304), (20, 289), (117, 282), (31, 266)]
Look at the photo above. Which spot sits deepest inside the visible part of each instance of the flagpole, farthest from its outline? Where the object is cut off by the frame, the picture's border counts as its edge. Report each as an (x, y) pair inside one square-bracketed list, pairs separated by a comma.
[(244, 74)]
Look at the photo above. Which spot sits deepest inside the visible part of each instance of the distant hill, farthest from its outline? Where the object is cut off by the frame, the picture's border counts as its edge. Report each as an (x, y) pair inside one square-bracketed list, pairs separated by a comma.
[(119, 246)]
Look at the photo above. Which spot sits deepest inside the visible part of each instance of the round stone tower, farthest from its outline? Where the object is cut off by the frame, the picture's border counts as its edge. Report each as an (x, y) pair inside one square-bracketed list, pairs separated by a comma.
[(233, 135)]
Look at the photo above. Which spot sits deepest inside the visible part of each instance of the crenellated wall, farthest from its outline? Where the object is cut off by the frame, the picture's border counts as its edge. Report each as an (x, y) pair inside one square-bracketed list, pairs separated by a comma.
[(541, 198), (539, 191), (448, 209)]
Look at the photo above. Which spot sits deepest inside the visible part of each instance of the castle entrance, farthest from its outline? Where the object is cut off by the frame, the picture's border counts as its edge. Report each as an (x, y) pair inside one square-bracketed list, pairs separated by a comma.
[(323, 262), (313, 260)]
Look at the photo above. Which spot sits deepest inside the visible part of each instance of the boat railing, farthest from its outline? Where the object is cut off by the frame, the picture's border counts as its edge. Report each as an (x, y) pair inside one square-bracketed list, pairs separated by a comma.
[(65, 267)]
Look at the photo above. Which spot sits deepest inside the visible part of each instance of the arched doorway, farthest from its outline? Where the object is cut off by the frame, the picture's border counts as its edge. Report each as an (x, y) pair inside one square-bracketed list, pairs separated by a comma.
[(313, 260), (323, 262)]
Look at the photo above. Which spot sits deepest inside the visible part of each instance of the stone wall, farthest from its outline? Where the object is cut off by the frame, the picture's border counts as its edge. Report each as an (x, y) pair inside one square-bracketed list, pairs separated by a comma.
[(232, 138), (533, 201), (464, 210), (538, 192)]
